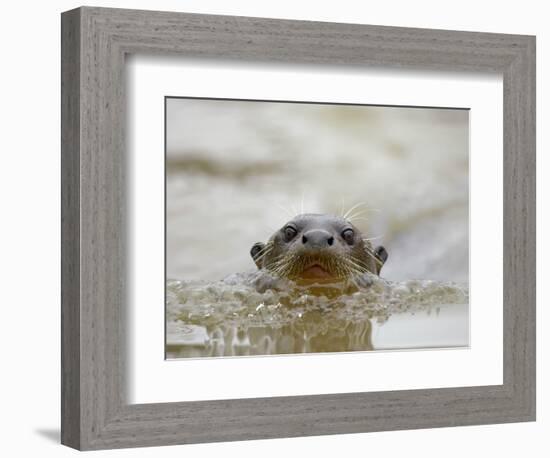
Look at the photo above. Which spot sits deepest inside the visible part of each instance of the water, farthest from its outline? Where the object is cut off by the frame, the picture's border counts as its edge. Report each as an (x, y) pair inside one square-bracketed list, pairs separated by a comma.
[(231, 318), (237, 171)]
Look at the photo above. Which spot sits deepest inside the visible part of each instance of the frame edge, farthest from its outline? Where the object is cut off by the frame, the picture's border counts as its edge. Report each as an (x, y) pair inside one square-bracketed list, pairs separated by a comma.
[(70, 228)]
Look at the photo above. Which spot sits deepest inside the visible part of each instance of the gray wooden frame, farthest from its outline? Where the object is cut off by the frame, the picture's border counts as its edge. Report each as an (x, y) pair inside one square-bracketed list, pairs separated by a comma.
[(95, 413)]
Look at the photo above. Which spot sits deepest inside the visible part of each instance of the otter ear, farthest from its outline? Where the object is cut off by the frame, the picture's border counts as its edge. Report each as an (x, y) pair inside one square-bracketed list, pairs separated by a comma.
[(381, 256), (256, 252)]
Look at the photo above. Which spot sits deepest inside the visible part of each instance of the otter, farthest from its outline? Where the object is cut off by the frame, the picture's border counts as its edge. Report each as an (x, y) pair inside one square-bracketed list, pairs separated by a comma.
[(318, 248)]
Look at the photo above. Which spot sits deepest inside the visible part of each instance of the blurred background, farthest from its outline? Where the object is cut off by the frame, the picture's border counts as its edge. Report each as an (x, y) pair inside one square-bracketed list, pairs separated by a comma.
[(238, 170)]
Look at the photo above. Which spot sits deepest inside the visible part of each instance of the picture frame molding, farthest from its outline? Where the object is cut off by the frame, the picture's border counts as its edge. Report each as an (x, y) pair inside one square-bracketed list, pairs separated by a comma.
[(95, 43)]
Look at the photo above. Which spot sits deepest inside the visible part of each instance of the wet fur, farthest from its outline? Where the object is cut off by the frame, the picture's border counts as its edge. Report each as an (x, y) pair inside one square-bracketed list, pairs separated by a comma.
[(288, 259)]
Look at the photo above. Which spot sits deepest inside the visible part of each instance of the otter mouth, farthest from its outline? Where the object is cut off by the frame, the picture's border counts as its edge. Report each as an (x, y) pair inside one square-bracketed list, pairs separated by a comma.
[(316, 271), (317, 268)]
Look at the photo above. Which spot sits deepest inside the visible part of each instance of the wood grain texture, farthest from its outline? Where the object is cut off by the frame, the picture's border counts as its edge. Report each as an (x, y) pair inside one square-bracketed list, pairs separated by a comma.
[(70, 229), (95, 411)]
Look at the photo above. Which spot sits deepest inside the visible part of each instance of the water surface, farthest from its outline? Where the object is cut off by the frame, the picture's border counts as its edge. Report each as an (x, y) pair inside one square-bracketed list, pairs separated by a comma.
[(231, 318)]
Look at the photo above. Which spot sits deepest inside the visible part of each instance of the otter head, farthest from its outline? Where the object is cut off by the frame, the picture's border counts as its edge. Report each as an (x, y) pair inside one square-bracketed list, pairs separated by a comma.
[(314, 247)]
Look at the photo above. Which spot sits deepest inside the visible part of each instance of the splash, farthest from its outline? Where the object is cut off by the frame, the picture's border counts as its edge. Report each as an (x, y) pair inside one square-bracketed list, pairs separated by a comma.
[(232, 318)]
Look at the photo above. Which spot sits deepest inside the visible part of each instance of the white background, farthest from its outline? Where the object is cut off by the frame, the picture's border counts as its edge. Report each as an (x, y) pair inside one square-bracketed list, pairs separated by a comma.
[(29, 237), (155, 380)]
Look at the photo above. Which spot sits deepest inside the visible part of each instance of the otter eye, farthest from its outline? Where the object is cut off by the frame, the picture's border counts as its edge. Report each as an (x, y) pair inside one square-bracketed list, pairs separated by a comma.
[(289, 233), (349, 236)]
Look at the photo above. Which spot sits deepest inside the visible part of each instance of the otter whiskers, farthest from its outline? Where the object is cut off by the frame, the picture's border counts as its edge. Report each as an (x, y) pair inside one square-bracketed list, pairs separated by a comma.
[(292, 265)]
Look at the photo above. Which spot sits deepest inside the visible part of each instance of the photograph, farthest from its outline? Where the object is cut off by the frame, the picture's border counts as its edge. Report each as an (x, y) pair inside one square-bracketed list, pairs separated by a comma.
[(297, 227)]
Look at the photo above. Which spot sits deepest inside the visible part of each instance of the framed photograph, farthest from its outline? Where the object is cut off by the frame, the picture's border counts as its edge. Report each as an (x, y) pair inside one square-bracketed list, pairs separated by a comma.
[(276, 228)]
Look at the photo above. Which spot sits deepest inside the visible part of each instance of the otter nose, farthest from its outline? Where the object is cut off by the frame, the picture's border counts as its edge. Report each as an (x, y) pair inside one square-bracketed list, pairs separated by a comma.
[(317, 238)]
